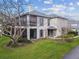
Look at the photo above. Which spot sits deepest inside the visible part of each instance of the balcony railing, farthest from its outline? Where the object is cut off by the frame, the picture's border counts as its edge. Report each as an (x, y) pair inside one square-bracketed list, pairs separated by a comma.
[(33, 23)]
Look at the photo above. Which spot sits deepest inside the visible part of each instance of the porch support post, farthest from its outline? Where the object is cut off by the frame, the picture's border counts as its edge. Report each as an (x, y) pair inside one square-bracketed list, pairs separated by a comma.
[(45, 27), (0, 30), (38, 25), (28, 27), (28, 33), (38, 32), (44, 34)]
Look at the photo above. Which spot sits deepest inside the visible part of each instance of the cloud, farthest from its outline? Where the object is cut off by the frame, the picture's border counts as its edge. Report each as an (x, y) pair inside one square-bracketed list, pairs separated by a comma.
[(48, 1), (55, 8), (62, 0), (71, 8), (59, 6), (74, 16), (27, 0), (44, 9), (39, 0), (61, 10), (78, 3), (36, 7), (71, 4)]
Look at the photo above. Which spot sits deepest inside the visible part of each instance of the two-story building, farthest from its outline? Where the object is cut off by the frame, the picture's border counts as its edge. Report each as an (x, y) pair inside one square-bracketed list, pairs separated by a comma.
[(74, 25), (0, 29), (38, 25), (0, 24), (61, 24)]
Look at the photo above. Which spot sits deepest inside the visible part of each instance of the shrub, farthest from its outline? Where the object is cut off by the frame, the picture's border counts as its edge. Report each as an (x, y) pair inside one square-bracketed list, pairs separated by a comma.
[(66, 36), (68, 39), (24, 40), (73, 32)]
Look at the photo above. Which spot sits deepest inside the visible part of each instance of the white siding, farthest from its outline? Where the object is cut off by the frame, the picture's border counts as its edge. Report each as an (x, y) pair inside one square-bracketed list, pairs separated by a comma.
[(59, 24), (0, 29)]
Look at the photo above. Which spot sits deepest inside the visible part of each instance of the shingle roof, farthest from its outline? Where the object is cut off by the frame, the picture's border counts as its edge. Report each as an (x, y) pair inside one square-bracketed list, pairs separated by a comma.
[(36, 13), (57, 16), (51, 27)]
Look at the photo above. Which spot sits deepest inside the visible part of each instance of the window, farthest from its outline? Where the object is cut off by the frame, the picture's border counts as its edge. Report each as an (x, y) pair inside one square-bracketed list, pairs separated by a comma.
[(63, 30), (41, 33), (33, 20), (24, 21), (48, 22), (41, 21)]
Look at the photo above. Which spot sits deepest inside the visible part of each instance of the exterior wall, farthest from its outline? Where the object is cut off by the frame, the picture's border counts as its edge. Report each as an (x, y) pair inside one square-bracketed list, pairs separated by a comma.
[(45, 27), (38, 27), (0, 29), (74, 25), (59, 24)]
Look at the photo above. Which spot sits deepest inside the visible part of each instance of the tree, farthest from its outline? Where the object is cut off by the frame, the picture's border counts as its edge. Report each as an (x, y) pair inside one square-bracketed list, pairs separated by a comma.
[(11, 10)]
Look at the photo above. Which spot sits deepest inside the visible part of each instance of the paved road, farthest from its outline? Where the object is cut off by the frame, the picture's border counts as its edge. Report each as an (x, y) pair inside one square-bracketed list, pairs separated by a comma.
[(74, 54)]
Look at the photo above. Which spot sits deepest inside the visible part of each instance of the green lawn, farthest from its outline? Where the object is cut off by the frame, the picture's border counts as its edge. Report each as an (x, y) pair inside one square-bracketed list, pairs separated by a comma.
[(42, 49)]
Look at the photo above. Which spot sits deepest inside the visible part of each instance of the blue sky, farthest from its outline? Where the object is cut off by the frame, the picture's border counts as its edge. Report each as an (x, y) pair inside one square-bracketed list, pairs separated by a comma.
[(67, 8)]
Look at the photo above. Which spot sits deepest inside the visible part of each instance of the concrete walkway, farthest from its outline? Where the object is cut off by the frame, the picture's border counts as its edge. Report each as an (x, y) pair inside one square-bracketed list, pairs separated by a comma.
[(75, 37), (71, 37), (73, 54)]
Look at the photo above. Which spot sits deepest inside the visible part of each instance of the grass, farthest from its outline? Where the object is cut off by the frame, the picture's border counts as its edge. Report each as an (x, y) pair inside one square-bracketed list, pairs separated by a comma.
[(42, 49)]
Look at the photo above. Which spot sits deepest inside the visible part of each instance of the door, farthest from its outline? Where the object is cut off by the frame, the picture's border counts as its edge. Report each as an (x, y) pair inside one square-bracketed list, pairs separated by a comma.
[(50, 32), (33, 33)]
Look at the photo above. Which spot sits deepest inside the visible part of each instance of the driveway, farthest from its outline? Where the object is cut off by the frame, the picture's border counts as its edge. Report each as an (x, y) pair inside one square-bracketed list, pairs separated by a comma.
[(73, 54)]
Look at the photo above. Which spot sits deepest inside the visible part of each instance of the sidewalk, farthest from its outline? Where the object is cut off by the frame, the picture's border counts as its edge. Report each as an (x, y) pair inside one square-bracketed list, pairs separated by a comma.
[(73, 54)]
